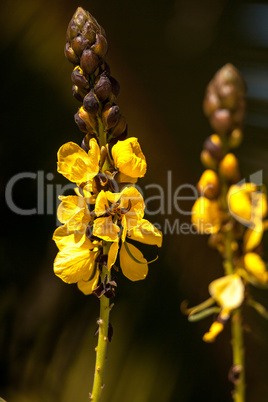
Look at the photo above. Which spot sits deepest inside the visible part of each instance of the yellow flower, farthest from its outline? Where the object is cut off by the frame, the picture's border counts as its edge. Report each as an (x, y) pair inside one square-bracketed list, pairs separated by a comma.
[(74, 214), (129, 158), (255, 266), (247, 205), (206, 216), (77, 165), (253, 237), (127, 209), (228, 292)]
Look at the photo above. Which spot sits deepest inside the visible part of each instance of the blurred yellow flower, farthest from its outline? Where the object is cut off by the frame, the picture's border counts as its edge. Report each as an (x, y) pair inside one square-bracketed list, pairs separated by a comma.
[(77, 165), (247, 204), (206, 216), (228, 292), (255, 266), (129, 158)]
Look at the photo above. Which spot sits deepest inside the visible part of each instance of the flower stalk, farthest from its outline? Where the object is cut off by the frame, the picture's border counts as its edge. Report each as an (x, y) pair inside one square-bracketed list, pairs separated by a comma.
[(107, 208), (232, 213), (101, 348)]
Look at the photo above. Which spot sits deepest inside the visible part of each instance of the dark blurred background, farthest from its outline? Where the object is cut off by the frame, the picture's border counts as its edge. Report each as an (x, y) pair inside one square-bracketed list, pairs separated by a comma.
[(163, 53)]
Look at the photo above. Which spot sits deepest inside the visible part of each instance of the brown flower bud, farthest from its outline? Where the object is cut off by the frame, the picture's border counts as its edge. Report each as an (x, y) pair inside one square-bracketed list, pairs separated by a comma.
[(103, 88), (70, 54), (89, 61), (78, 93), (115, 86), (91, 103), (89, 32), (120, 127), (79, 78), (221, 121), (101, 46), (211, 101), (90, 121), (79, 43), (207, 159), (213, 145), (85, 142), (110, 115), (81, 124)]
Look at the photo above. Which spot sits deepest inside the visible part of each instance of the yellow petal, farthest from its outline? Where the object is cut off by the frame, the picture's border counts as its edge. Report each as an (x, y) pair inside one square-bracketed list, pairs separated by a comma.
[(73, 264), (112, 255), (131, 198), (105, 229), (228, 291), (130, 268), (146, 232), (206, 216), (87, 287), (69, 206), (256, 267), (76, 165), (129, 158), (252, 239), (64, 237), (214, 331)]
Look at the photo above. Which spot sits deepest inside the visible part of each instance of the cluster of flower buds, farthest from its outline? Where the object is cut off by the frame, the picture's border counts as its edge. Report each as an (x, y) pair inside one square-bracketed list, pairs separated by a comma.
[(224, 105), (86, 48), (231, 212)]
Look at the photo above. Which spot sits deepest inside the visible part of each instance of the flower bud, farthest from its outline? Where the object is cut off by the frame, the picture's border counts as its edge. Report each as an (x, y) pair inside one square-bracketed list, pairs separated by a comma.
[(91, 103), (110, 115), (120, 127), (89, 120), (103, 87), (206, 216), (89, 32), (229, 168), (79, 43), (101, 46), (235, 138), (89, 61), (81, 124), (115, 86), (213, 145), (211, 101), (221, 121), (207, 160), (79, 78), (78, 93), (209, 184), (70, 54)]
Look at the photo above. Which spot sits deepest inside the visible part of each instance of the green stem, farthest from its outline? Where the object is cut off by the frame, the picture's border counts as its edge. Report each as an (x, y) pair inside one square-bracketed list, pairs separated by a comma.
[(238, 355), (101, 349), (236, 317), (237, 330)]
